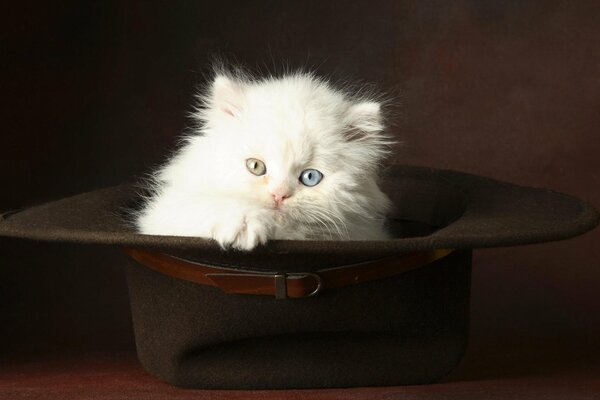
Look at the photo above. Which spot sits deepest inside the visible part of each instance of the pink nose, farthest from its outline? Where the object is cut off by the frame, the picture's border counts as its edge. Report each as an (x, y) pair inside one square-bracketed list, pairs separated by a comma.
[(278, 197)]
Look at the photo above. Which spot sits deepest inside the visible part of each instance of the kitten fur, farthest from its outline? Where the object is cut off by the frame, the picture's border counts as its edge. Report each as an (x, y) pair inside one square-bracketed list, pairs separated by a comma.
[(290, 123)]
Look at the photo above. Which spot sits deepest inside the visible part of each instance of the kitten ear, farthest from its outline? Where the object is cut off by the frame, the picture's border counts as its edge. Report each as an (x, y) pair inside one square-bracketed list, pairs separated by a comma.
[(363, 120), (227, 95)]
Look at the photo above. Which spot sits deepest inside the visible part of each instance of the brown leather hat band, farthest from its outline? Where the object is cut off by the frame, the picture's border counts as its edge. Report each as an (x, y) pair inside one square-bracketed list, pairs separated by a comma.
[(284, 285)]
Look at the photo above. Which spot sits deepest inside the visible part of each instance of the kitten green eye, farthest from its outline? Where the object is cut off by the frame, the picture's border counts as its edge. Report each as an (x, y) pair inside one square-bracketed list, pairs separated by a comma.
[(256, 167)]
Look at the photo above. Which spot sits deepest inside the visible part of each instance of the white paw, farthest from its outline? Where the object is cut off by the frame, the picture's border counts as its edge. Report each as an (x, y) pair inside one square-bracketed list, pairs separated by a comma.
[(242, 232)]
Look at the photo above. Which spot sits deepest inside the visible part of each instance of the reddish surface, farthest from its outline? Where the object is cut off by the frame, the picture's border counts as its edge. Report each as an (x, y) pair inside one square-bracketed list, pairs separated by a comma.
[(534, 371)]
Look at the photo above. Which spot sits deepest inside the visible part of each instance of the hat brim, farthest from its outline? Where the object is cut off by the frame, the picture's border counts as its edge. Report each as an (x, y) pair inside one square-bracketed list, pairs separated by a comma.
[(468, 212)]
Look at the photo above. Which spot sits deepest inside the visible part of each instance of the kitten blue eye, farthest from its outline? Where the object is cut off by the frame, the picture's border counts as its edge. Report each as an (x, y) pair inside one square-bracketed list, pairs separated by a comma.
[(310, 177)]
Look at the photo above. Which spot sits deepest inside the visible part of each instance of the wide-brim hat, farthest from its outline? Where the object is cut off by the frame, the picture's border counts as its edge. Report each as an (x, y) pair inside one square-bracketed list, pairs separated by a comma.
[(386, 313)]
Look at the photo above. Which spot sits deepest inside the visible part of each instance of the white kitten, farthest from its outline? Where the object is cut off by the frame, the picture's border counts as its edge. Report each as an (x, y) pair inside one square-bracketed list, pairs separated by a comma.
[(279, 158)]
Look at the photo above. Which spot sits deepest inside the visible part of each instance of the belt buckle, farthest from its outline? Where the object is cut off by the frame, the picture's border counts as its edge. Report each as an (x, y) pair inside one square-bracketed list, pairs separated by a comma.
[(281, 283)]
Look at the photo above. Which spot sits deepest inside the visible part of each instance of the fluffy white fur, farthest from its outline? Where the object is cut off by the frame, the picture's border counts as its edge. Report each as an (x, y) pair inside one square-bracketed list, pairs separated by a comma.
[(290, 123)]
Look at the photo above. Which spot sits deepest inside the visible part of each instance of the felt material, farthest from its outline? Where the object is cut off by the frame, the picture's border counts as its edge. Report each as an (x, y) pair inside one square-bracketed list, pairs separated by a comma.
[(470, 212), (408, 329)]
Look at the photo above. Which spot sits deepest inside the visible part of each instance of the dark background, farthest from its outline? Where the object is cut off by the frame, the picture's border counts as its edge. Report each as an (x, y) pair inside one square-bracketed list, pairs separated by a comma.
[(95, 93)]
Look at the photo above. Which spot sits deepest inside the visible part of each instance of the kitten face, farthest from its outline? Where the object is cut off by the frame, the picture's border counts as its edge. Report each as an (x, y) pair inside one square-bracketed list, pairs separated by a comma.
[(285, 158), (290, 126)]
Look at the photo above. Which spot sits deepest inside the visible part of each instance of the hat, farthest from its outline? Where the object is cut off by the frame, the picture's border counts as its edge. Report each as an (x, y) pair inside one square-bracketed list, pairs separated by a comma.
[(300, 314)]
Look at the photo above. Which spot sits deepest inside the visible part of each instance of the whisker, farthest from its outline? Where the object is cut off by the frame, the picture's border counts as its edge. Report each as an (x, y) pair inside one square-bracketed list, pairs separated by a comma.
[(335, 220)]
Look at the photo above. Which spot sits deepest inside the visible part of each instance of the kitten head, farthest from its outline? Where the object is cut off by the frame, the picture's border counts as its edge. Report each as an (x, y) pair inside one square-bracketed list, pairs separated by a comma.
[(294, 145)]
